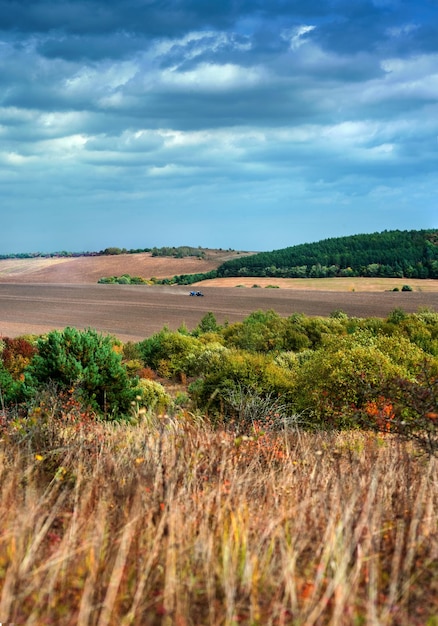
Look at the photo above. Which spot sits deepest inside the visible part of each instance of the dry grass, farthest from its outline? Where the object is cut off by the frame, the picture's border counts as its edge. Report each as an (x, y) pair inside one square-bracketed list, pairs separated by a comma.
[(175, 523), (328, 284)]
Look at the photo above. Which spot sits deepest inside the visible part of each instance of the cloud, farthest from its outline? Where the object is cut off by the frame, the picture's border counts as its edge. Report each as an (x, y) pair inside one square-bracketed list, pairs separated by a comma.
[(277, 113)]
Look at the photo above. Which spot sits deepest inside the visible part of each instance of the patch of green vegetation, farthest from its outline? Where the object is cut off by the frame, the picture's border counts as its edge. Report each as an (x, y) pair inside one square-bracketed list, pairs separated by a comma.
[(337, 372)]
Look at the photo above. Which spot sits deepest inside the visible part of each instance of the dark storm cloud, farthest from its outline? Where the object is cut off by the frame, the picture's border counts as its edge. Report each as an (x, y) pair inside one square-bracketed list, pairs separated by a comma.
[(272, 110)]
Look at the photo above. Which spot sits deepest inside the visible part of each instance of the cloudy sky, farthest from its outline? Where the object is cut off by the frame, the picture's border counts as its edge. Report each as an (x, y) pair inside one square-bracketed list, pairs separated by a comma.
[(246, 124)]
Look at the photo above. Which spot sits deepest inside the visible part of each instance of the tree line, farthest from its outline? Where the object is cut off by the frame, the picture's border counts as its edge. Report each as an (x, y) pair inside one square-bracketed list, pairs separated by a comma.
[(391, 254)]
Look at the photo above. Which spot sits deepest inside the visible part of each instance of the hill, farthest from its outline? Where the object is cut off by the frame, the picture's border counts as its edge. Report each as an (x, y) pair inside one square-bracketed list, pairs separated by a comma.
[(89, 269), (398, 254)]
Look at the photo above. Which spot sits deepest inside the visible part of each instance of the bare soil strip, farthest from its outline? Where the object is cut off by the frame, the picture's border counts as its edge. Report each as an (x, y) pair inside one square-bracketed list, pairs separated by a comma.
[(133, 312)]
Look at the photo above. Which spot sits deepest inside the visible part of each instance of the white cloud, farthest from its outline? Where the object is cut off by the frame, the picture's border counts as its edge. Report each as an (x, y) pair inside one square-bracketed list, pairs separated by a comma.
[(274, 114), (213, 77), (296, 36), (89, 80)]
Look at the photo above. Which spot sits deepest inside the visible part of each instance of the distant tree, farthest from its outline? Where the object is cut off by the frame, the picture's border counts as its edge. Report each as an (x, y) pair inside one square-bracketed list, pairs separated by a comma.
[(113, 251)]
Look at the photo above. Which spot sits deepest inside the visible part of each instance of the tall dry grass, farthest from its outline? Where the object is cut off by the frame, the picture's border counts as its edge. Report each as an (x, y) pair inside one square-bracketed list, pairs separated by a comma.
[(179, 524)]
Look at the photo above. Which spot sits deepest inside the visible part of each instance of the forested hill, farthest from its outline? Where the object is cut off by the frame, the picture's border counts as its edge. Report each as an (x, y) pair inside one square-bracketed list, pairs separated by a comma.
[(410, 254)]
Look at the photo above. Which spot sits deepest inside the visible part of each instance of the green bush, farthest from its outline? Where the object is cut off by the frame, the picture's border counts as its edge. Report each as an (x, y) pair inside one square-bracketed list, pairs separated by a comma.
[(10, 389), (234, 370), (302, 332), (169, 353), (261, 331), (152, 395), (87, 362), (336, 381), (208, 324)]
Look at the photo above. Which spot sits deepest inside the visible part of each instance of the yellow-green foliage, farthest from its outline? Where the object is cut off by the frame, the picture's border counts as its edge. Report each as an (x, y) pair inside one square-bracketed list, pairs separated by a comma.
[(232, 370), (342, 376), (152, 395), (169, 353)]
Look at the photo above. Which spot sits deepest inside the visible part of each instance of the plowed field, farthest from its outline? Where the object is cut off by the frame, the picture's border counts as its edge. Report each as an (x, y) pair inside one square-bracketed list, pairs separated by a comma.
[(82, 270), (133, 312), (38, 295)]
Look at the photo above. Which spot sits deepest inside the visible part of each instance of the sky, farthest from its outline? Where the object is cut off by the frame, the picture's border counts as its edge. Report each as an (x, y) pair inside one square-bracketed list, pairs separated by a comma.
[(251, 125)]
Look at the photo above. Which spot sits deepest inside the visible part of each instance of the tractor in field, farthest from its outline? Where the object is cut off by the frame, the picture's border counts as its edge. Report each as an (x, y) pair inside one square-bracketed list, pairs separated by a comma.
[(196, 293)]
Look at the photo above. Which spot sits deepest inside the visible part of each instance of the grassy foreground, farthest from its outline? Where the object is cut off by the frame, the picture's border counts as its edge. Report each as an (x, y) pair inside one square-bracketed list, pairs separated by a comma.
[(176, 523)]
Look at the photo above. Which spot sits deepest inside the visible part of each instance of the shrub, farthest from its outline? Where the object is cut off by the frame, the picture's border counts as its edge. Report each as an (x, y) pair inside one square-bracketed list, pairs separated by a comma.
[(406, 288), (335, 381), (234, 370), (152, 395), (415, 409), (339, 314), (208, 324), (396, 316), (17, 354), (10, 389), (88, 362), (169, 353), (261, 331)]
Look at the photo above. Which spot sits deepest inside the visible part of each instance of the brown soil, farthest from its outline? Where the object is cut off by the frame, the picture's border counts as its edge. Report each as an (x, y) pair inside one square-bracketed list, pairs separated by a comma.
[(133, 312), (88, 270), (39, 295)]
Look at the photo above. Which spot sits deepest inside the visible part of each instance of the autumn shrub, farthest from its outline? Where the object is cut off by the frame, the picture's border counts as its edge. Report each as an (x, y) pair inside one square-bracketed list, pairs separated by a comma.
[(17, 354), (152, 395), (133, 367), (234, 370), (414, 409), (88, 362), (169, 353), (333, 381)]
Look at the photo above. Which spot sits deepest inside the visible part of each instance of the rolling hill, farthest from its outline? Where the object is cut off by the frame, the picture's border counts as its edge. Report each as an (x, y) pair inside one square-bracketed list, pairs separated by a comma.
[(398, 254)]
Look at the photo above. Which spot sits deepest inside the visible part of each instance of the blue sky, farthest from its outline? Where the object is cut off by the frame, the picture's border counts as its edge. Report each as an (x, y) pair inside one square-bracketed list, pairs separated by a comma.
[(252, 125)]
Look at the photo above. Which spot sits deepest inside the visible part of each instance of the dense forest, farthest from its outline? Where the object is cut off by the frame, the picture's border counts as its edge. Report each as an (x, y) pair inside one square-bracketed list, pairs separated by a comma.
[(392, 254)]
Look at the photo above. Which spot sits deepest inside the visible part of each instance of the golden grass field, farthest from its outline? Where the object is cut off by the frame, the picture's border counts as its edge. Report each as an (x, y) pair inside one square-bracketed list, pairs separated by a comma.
[(174, 523), (327, 284)]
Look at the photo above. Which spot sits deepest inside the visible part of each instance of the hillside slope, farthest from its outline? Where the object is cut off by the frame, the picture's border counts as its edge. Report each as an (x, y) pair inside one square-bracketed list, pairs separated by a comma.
[(410, 254), (90, 269)]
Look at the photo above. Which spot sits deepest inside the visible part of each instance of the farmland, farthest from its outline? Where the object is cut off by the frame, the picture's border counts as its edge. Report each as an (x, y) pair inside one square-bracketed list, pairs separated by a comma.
[(88, 270), (133, 312), (38, 295)]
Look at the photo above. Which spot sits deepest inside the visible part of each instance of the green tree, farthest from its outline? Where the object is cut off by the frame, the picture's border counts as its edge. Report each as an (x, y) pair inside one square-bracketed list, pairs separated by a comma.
[(208, 324), (87, 362)]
